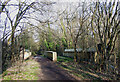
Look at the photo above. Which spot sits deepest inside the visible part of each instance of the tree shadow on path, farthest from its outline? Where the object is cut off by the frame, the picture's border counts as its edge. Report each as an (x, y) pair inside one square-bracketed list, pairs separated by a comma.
[(50, 71)]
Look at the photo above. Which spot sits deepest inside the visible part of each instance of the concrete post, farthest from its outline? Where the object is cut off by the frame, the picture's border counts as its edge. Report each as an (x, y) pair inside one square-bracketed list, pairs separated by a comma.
[(54, 56)]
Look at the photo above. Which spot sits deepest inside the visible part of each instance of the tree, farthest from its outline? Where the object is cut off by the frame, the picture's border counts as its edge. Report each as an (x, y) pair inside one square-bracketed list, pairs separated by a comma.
[(22, 9), (77, 25), (3, 4), (105, 19)]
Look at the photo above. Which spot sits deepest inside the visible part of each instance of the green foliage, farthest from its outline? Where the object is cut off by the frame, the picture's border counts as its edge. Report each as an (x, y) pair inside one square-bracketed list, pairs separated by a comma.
[(51, 46), (70, 45), (57, 45), (33, 53), (46, 44), (64, 42)]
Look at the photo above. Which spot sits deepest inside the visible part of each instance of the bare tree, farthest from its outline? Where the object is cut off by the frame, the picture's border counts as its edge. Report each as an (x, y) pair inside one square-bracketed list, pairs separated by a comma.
[(22, 9), (77, 26), (3, 4), (106, 21)]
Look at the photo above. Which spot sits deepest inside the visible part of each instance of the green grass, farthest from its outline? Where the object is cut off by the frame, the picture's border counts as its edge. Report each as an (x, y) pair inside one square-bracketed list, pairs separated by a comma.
[(82, 70), (27, 71), (42, 55), (64, 59)]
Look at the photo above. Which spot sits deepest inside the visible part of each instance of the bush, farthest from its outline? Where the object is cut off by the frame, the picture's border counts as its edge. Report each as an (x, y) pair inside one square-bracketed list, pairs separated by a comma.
[(33, 53)]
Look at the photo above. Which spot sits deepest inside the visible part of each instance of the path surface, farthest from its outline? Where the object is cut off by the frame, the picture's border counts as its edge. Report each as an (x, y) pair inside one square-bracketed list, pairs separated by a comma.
[(50, 71)]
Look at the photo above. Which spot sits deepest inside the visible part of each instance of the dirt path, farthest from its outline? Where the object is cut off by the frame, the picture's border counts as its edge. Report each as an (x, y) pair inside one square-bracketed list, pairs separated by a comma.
[(50, 71)]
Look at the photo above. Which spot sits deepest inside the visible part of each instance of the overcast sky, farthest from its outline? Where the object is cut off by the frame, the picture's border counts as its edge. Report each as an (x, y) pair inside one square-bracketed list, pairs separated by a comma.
[(61, 5)]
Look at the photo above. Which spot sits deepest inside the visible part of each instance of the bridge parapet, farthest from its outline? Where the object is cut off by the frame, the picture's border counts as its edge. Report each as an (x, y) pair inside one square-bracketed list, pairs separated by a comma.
[(51, 55)]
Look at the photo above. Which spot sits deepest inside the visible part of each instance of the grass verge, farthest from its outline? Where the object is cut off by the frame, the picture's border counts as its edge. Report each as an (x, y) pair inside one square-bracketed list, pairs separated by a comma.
[(28, 70), (82, 71)]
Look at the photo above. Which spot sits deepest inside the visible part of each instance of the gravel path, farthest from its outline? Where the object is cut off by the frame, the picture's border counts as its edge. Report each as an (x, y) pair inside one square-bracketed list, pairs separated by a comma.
[(50, 71)]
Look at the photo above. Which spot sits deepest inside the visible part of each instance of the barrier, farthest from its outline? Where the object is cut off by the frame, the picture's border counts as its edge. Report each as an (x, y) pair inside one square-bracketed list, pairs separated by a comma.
[(51, 55), (27, 54)]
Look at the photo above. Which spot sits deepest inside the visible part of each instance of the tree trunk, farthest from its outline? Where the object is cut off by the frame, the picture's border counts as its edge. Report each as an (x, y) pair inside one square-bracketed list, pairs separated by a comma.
[(75, 54), (0, 57), (23, 55), (118, 67), (12, 45), (118, 61)]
